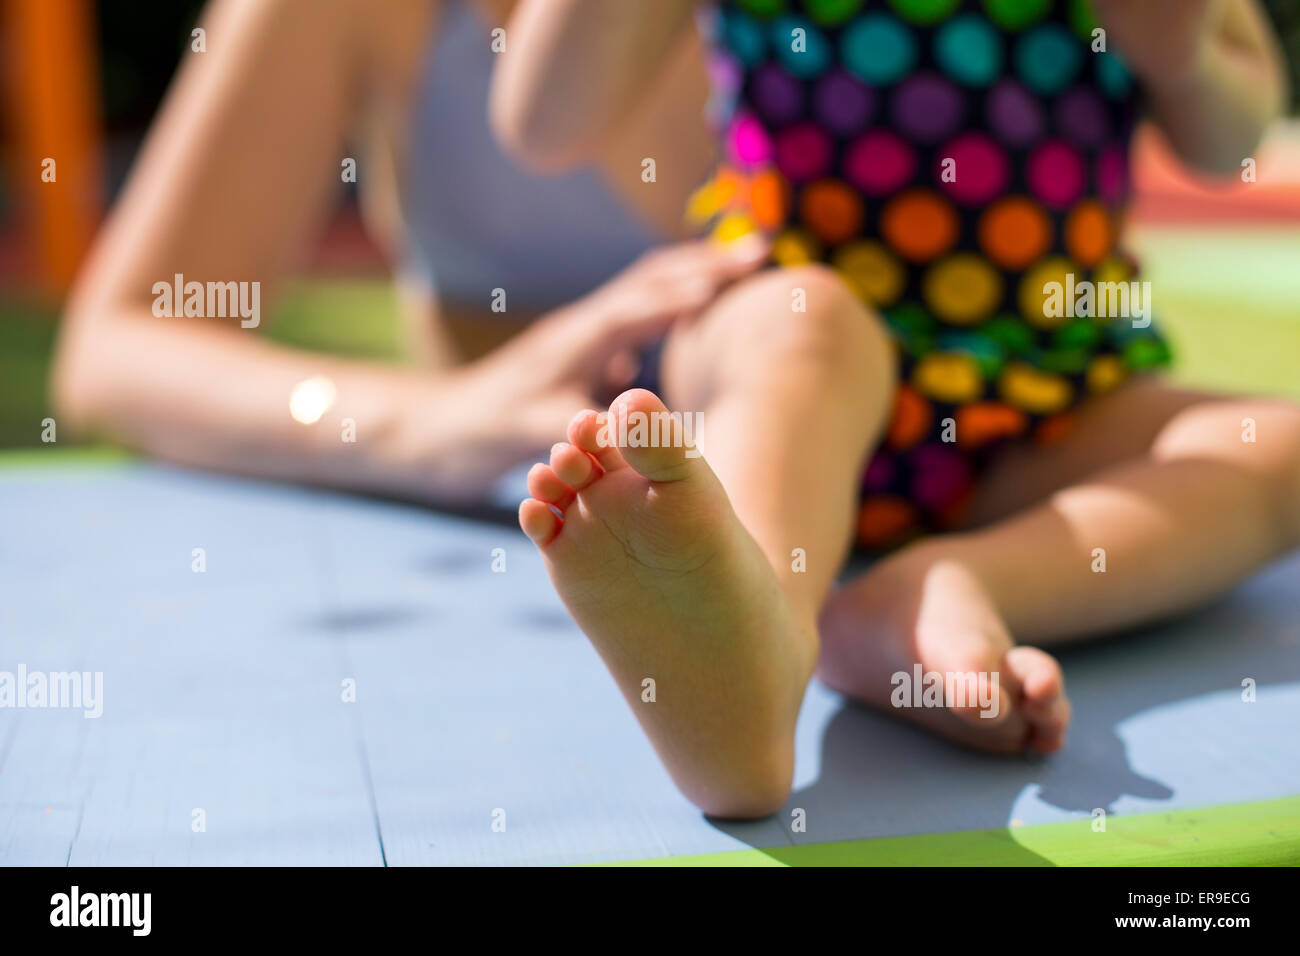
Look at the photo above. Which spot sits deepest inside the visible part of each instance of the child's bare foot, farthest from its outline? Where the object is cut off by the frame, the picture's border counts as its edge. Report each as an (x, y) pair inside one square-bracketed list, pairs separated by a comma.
[(655, 567), (937, 615)]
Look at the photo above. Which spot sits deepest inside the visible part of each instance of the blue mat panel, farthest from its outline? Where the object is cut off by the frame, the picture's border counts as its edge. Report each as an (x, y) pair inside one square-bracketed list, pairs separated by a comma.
[(477, 701)]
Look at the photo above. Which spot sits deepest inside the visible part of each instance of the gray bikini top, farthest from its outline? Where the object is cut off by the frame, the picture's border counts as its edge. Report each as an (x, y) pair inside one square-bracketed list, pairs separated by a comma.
[(477, 222)]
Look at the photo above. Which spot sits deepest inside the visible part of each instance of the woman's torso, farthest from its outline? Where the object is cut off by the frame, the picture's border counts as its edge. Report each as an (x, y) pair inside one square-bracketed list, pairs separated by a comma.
[(473, 220)]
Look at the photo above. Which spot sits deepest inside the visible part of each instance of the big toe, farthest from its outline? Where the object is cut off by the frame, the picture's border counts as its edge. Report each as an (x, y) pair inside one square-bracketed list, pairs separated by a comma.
[(657, 443), (1043, 700)]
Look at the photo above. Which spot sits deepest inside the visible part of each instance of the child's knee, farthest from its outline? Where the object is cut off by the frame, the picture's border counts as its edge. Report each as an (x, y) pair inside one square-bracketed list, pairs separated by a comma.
[(1260, 436), (809, 314), (1257, 433)]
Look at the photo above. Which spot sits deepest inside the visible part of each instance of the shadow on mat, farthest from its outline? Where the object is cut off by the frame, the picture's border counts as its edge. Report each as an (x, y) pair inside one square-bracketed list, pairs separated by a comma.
[(880, 778)]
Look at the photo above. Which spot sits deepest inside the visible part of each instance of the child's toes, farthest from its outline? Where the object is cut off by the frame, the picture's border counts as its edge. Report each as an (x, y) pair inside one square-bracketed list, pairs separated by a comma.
[(1043, 699), (653, 441), (573, 466), (1038, 672), (538, 521), (545, 486), (588, 431), (1048, 723)]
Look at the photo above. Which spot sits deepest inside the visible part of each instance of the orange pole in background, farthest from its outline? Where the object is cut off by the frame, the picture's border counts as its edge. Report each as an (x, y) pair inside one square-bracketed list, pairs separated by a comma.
[(51, 88)]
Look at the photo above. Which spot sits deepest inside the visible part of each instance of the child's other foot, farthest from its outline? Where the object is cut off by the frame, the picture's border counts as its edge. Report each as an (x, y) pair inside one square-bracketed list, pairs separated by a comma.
[(643, 547), (937, 615)]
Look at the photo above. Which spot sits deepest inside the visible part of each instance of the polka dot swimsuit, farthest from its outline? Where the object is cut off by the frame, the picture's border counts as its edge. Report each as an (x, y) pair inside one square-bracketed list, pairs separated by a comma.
[(949, 159)]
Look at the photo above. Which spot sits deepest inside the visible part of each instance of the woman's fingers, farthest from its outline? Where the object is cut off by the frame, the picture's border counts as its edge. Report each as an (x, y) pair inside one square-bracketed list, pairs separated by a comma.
[(704, 263), (638, 306), (681, 280)]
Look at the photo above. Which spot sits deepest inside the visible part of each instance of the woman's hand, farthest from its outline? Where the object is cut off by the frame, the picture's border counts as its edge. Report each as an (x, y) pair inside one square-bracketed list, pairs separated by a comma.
[(519, 399), (636, 308)]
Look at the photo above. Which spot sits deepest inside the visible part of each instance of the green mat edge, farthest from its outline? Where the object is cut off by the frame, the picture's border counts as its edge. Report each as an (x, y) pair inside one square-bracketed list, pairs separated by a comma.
[(1263, 833), (68, 456)]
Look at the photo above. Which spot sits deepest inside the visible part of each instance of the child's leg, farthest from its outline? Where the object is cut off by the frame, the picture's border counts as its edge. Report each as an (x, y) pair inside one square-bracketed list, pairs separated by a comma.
[(680, 582), (1174, 527), (792, 404)]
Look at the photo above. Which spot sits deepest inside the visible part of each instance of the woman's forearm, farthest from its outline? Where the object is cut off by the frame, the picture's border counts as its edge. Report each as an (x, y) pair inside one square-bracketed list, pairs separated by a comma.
[(572, 68), (224, 399)]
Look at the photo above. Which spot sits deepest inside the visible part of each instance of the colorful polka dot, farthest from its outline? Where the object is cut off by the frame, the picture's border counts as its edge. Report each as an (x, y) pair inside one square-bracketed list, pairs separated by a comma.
[(1014, 114), (940, 475), (843, 103), (1105, 374), (769, 199), (1146, 352), (879, 162), (878, 49), (1068, 361), (1037, 392), (982, 423), (1041, 296), (743, 37), (778, 96), (1047, 59), (871, 270), (800, 46), (1113, 269), (972, 169), (1113, 76), (1055, 174), (795, 247), (948, 377), (1016, 14), (763, 8), (831, 210), (885, 522), (1054, 428), (962, 289), (1081, 334), (913, 327), (927, 107), (1010, 332), (803, 152), (1089, 236), (988, 354), (880, 472), (919, 225), (748, 141), (1082, 22), (1081, 117), (1112, 175), (830, 13), (911, 419), (924, 12), (969, 50), (1014, 232), (733, 227)]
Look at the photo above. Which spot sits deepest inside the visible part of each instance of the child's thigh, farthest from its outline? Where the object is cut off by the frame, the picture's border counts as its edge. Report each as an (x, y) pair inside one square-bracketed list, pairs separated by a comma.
[(1110, 430)]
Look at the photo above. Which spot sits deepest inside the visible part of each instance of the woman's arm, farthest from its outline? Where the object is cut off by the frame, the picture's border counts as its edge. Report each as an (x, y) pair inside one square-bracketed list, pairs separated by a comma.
[(1212, 69), (235, 176), (238, 172), (574, 69)]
